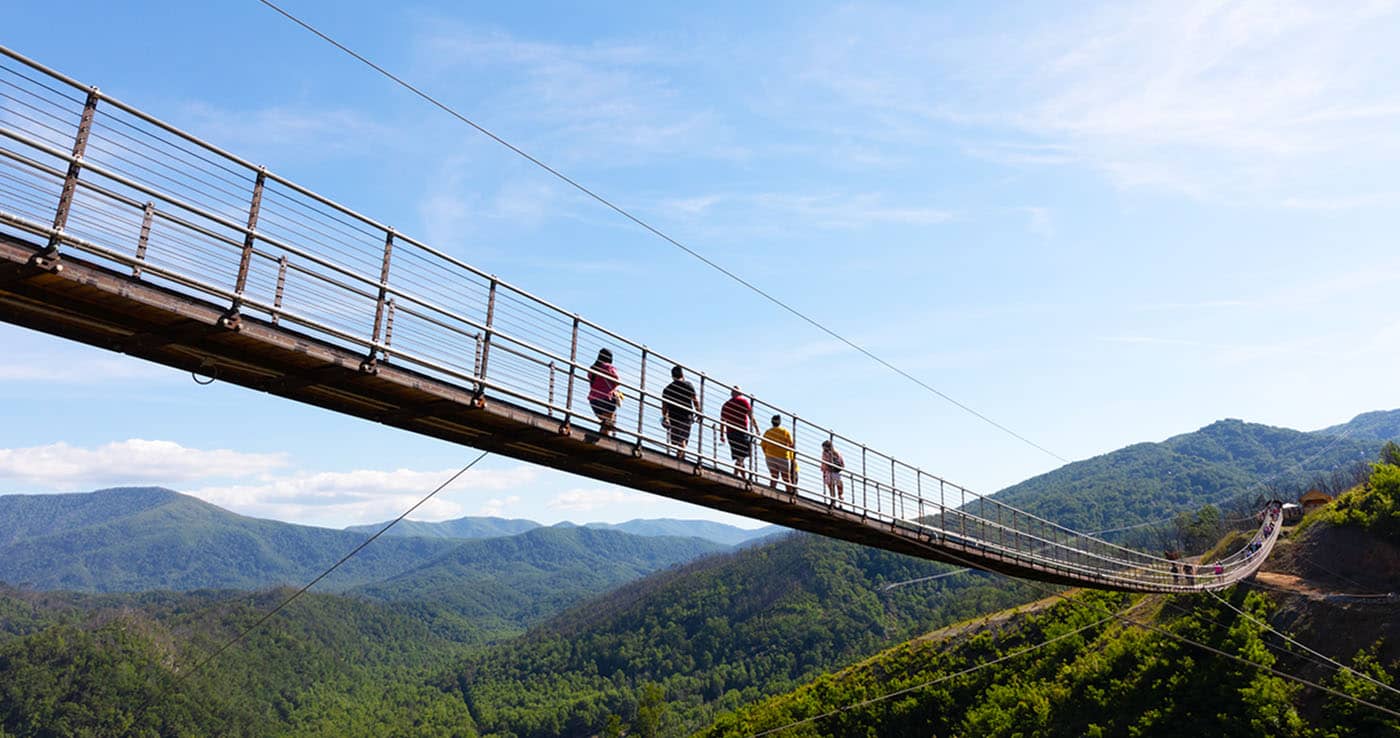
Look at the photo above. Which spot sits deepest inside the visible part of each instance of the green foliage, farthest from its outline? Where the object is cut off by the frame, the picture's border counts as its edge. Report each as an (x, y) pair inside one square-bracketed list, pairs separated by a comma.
[(326, 665), (1374, 507), (1390, 453), (1140, 482), (1106, 680), (714, 635), (135, 539), (1343, 717), (491, 589)]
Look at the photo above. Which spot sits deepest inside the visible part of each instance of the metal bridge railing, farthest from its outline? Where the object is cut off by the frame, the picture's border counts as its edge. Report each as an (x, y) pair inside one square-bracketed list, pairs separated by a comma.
[(85, 171)]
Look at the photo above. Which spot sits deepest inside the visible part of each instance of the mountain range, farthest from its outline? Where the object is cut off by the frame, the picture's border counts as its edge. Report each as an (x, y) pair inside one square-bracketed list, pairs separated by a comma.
[(672, 650), (488, 527)]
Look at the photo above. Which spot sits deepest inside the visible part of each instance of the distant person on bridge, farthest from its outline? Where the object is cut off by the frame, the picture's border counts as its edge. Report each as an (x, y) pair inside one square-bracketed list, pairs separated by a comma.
[(678, 410), (832, 464), (778, 452), (603, 394), (737, 416)]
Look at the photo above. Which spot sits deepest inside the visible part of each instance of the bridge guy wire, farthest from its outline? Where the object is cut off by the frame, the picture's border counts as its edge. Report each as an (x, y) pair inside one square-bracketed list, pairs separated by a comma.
[(270, 613), (1340, 666), (1122, 616), (658, 232), (945, 677), (1183, 639)]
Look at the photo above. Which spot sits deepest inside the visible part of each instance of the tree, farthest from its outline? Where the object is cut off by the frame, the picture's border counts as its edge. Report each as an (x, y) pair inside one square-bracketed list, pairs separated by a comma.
[(1390, 453)]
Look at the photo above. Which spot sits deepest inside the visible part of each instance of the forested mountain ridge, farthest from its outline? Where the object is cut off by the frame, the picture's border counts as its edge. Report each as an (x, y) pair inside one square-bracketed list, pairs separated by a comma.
[(469, 527), (488, 527), (1377, 425), (715, 634), (78, 664), (1226, 459), (1110, 680), (134, 539), (495, 587), (130, 539)]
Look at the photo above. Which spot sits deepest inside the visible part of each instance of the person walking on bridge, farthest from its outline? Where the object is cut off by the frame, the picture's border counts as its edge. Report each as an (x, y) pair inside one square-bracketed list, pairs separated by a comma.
[(736, 414), (678, 410), (603, 394), (832, 464), (778, 452)]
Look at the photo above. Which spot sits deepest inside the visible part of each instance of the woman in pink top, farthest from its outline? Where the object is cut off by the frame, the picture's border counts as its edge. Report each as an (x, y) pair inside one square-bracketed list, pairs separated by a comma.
[(602, 391)]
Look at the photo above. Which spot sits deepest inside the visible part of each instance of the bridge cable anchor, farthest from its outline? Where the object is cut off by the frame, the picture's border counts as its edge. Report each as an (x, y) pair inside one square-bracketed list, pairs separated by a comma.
[(48, 260)]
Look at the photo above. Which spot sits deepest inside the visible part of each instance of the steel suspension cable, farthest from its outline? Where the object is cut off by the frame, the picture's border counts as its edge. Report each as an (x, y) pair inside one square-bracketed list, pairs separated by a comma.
[(270, 613), (1294, 641), (657, 231)]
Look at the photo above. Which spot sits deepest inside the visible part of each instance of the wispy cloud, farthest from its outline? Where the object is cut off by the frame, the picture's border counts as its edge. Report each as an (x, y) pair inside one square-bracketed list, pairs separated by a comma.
[(280, 131), (842, 211), (61, 466), (1242, 101), (588, 101), (585, 500), (362, 495)]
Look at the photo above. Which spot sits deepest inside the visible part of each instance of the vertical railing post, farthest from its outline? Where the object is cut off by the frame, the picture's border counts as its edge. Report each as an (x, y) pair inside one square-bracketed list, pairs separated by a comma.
[(864, 483), (368, 365), (962, 513), (792, 465), (388, 327), (919, 492), (144, 238), (231, 319), (280, 289), (894, 492), (486, 342), (641, 404), (700, 428), (573, 364), (550, 407), (48, 258)]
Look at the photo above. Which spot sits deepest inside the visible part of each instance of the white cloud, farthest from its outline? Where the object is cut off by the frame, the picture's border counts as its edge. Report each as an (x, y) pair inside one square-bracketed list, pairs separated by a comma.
[(843, 211), (613, 102), (284, 130), (585, 500), (61, 466), (497, 507), (1254, 101), (363, 495)]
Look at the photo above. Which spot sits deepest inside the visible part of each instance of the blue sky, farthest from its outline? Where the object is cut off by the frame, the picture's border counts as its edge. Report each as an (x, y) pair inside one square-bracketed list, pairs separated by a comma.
[(1098, 225)]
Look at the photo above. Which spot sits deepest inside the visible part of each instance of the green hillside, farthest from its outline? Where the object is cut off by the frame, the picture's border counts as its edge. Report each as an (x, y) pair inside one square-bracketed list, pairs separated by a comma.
[(74, 664), (470, 527), (488, 589), (1106, 680), (1224, 460), (1116, 680), (1378, 425), (714, 635), (728, 535), (135, 539)]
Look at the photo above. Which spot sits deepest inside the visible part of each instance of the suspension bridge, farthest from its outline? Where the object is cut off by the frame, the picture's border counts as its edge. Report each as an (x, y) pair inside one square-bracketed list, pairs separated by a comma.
[(123, 232)]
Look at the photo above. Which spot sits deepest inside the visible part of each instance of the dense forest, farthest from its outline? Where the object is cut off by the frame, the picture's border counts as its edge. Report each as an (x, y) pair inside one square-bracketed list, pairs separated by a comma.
[(1113, 678), (716, 634), (724, 644), (1095, 676)]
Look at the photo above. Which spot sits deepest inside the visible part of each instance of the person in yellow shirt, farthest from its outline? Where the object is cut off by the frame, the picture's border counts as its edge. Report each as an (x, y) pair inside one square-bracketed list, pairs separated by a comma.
[(778, 452)]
